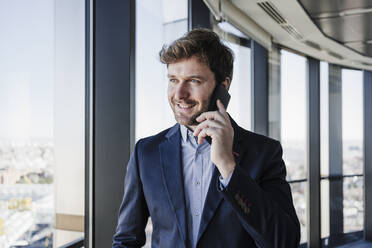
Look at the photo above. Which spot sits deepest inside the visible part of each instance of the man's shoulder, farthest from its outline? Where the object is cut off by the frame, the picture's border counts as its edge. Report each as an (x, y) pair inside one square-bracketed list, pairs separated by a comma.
[(255, 139), (154, 140), (250, 138), (258, 146)]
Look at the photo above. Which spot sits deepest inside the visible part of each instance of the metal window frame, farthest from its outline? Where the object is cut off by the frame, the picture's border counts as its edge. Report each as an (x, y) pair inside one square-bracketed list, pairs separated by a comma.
[(341, 240), (274, 92), (198, 15), (110, 122), (367, 102), (335, 149), (88, 123), (88, 136), (313, 152), (260, 88)]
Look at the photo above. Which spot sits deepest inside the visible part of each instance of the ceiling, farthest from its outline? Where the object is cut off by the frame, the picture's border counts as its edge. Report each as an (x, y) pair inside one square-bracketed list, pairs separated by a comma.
[(346, 21), (335, 31)]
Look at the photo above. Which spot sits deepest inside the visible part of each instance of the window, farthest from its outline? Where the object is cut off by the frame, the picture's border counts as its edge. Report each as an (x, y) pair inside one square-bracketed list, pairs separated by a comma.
[(293, 129), (240, 90), (352, 149), (42, 125), (324, 148), (342, 176)]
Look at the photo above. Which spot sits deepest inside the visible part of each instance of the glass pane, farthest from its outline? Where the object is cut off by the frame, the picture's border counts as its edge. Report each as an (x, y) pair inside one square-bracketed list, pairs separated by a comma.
[(352, 129), (293, 128), (293, 109), (42, 120), (324, 146), (352, 121), (26, 127), (240, 89), (299, 200), (324, 207), (353, 204), (324, 117), (353, 208)]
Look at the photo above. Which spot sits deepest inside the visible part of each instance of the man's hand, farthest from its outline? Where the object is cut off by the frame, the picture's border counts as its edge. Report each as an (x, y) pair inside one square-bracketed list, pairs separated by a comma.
[(216, 124)]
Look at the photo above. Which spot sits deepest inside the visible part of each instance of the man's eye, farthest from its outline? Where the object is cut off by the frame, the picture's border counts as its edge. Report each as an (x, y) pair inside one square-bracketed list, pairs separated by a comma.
[(172, 80), (195, 81)]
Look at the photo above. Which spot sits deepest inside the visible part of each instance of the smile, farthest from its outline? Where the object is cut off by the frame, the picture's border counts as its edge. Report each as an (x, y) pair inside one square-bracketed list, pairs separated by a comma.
[(182, 106)]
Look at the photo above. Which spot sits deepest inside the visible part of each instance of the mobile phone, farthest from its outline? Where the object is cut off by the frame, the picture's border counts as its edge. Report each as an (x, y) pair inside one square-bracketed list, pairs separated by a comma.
[(220, 92)]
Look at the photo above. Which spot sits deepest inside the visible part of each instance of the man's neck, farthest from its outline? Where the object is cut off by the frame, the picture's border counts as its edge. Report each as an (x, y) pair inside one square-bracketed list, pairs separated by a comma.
[(192, 128)]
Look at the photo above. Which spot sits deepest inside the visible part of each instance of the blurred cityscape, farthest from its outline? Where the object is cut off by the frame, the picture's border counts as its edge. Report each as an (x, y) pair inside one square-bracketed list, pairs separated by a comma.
[(26, 194), (27, 203), (294, 155)]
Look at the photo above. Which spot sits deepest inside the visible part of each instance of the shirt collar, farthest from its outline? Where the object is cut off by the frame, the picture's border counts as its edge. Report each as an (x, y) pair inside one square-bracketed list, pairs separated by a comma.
[(188, 135), (184, 130)]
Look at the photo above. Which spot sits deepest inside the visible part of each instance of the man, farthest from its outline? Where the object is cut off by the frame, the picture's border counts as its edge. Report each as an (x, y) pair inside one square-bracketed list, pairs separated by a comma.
[(230, 193)]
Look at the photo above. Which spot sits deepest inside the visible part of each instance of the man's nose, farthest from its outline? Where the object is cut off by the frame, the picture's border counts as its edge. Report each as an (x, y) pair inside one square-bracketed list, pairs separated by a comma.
[(182, 91)]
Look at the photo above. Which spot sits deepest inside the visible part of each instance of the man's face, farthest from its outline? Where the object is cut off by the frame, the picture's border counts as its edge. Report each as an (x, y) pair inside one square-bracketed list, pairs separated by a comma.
[(190, 85)]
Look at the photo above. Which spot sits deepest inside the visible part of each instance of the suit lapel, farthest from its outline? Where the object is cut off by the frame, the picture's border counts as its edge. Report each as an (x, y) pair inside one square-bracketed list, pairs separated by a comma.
[(212, 201), (214, 197), (170, 156)]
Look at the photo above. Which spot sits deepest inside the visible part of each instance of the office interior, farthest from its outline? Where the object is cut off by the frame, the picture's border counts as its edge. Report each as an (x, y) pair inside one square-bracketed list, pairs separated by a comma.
[(81, 82)]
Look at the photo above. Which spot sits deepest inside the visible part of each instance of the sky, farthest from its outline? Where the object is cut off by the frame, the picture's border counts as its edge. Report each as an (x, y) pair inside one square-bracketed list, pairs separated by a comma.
[(26, 69), (293, 98), (293, 101)]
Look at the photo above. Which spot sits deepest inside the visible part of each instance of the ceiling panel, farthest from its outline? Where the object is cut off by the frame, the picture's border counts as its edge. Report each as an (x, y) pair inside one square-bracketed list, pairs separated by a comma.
[(362, 48), (346, 21), (351, 26), (315, 7), (347, 28)]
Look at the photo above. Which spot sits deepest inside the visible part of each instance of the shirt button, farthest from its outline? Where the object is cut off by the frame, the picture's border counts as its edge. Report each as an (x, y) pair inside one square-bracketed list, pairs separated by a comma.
[(197, 183), (197, 214)]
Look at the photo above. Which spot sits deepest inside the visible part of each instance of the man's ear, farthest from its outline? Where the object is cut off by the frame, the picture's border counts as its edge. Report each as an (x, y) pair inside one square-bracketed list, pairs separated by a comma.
[(227, 83)]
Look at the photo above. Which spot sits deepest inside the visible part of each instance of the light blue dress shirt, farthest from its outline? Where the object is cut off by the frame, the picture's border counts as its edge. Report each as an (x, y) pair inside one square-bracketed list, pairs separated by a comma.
[(197, 175)]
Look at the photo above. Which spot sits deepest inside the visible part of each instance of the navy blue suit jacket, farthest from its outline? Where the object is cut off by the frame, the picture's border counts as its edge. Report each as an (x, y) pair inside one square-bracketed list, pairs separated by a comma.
[(254, 210)]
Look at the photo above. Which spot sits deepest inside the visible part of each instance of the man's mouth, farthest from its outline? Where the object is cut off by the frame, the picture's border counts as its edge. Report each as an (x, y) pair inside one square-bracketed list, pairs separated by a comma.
[(185, 106)]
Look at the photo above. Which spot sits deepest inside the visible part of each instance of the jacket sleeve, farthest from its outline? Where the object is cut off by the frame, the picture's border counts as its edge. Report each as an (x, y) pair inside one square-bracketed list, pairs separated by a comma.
[(133, 212), (265, 207)]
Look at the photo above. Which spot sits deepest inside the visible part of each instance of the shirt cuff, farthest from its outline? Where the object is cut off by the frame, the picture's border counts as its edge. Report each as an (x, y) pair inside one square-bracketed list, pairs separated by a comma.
[(225, 182)]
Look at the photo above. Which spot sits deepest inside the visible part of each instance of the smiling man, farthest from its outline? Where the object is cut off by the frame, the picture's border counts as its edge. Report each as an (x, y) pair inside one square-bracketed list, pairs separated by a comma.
[(230, 192)]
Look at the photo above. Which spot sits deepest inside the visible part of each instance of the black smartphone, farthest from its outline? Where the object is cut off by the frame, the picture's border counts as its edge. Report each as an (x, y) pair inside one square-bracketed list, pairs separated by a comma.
[(220, 92)]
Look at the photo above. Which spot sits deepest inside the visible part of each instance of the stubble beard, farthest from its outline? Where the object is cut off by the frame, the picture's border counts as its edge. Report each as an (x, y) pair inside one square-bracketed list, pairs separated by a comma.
[(192, 121)]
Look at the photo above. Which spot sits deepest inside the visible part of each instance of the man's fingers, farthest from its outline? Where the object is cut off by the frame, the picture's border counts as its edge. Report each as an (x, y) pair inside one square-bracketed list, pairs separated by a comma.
[(220, 115), (204, 132), (210, 115), (220, 106), (222, 110), (206, 124)]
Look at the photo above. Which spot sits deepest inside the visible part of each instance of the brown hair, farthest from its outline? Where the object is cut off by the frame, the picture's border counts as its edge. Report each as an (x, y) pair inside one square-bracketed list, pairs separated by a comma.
[(207, 47)]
